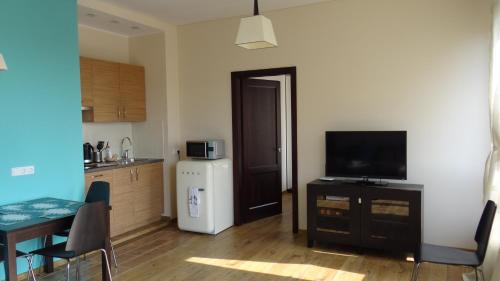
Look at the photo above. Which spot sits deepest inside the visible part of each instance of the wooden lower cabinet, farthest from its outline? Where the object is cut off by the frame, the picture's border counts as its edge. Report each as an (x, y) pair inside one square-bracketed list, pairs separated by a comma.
[(136, 195)]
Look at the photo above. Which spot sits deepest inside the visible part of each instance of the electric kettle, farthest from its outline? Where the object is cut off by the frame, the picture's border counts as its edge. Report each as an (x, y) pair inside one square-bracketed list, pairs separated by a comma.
[(88, 153)]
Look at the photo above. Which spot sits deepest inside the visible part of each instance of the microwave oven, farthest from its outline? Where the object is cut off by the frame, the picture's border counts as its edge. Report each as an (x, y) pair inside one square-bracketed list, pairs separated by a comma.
[(205, 149)]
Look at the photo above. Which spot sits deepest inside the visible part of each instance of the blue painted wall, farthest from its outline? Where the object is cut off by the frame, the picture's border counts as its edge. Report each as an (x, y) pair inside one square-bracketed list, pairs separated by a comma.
[(40, 117)]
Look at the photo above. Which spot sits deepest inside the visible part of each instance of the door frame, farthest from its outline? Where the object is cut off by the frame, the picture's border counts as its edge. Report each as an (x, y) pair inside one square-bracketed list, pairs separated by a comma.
[(236, 78)]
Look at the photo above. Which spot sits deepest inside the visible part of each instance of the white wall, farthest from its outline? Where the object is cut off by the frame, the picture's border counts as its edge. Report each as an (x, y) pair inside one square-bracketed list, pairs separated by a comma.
[(99, 44), (415, 65), (150, 136)]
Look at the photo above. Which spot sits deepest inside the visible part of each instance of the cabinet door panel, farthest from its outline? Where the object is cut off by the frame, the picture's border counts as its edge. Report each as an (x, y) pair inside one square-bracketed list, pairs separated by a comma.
[(86, 81), (335, 214), (122, 214), (133, 93), (105, 90), (124, 179), (148, 203), (389, 219)]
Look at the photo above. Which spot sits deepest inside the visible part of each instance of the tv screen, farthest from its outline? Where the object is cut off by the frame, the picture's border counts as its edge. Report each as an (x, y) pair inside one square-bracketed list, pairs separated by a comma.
[(376, 154)]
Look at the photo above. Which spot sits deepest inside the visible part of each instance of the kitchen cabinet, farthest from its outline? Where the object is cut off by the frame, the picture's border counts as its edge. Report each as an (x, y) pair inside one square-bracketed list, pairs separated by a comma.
[(86, 81), (132, 93), (106, 91), (112, 92), (136, 195)]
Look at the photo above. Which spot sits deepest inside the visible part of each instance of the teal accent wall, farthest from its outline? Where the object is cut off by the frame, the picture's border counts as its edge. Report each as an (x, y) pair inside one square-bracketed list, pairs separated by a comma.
[(40, 117)]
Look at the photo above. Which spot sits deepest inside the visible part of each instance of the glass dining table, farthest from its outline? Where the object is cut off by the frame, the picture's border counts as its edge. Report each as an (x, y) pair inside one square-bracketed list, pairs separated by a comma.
[(37, 218)]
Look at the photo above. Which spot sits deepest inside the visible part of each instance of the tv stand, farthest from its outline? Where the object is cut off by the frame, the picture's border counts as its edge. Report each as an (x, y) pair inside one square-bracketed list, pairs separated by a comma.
[(365, 215), (368, 182)]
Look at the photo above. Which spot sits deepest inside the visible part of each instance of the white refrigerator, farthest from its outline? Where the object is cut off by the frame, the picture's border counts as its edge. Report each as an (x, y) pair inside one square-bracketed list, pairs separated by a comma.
[(205, 195)]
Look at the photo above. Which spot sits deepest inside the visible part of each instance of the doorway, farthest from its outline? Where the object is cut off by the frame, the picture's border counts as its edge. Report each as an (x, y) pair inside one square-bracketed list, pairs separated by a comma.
[(264, 142)]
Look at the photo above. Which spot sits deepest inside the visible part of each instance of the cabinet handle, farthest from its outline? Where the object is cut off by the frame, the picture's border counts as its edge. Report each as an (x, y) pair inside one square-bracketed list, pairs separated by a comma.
[(124, 112), (97, 176), (131, 176), (118, 110), (137, 174)]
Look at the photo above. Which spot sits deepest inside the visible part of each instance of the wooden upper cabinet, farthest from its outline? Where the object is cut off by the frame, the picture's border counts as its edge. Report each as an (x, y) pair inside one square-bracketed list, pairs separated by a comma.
[(106, 91), (133, 93), (86, 81), (115, 92)]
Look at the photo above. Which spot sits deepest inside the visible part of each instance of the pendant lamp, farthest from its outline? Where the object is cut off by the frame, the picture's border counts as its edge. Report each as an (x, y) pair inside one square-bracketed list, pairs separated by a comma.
[(3, 65), (256, 32)]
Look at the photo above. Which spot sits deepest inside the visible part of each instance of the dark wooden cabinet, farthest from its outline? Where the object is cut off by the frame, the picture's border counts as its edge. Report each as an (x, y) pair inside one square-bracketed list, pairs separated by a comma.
[(381, 217)]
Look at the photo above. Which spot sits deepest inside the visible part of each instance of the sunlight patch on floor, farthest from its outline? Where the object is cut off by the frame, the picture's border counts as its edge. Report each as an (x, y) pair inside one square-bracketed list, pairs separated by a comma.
[(335, 254), (278, 269)]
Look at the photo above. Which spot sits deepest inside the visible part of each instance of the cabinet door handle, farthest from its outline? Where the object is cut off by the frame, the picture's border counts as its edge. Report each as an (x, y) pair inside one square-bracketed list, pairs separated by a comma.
[(97, 176), (137, 174), (124, 112), (118, 110), (131, 176)]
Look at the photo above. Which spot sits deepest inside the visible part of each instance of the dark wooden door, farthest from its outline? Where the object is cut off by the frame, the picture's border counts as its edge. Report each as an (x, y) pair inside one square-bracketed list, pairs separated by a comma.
[(261, 143)]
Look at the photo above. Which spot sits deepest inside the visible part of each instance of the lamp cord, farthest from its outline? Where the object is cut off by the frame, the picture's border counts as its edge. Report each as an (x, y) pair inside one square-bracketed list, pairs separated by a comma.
[(255, 8)]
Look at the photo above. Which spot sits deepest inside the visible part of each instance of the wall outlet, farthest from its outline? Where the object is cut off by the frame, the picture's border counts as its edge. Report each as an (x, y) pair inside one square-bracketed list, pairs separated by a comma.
[(23, 171)]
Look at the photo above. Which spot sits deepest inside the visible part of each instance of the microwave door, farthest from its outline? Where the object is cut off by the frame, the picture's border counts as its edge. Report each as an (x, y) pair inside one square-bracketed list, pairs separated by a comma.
[(198, 149)]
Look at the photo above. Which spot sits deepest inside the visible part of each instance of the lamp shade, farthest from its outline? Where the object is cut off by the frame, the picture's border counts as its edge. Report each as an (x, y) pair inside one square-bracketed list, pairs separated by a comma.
[(3, 65), (256, 33)]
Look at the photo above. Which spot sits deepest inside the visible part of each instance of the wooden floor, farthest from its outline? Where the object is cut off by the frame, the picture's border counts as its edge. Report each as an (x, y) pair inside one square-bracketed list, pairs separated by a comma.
[(263, 250)]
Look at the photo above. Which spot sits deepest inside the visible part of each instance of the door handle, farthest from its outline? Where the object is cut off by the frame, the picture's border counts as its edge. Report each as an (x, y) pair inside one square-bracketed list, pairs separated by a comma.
[(279, 149)]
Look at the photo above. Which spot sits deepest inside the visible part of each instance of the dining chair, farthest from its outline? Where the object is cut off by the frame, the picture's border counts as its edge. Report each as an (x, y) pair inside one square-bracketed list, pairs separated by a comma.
[(19, 254), (87, 234), (453, 256), (98, 191)]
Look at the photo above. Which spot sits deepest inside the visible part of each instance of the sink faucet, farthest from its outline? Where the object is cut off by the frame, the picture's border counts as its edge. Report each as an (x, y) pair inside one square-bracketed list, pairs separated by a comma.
[(125, 152)]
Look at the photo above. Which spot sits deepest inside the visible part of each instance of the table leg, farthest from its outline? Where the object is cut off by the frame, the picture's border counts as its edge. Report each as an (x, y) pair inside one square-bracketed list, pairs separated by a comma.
[(10, 259), (107, 244), (48, 262)]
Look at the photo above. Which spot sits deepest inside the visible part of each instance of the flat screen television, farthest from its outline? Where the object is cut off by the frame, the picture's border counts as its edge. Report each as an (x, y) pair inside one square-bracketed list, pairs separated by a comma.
[(366, 154)]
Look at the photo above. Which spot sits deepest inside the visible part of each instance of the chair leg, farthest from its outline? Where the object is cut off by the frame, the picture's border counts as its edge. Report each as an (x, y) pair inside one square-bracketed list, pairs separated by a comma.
[(31, 272), (475, 271), (114, 255), (414, 274), (482, 274), (67, 270), (77, 268), (107, 264)]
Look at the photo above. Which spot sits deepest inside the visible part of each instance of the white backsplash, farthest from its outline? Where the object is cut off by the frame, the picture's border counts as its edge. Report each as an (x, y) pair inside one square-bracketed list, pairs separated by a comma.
[(112, 132)]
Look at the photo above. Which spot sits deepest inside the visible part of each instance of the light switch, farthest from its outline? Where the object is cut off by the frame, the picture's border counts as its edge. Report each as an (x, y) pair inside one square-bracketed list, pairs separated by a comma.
[(23, 171)]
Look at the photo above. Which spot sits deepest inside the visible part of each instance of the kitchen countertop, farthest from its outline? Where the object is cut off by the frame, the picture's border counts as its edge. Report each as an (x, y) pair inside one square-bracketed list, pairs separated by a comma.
[(137, 162)]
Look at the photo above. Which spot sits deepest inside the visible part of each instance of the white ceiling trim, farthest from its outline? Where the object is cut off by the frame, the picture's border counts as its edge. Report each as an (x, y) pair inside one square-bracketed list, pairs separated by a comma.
[(126, 14), (181, 12)]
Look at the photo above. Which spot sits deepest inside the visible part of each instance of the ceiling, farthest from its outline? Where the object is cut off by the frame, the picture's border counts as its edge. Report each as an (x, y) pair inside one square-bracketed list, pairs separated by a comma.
[(103, 21), (189, 11)]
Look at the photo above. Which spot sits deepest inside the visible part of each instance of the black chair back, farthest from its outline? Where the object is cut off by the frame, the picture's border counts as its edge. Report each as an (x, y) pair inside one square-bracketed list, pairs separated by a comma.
[(484, 229), (88, 231), (98, 191)]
